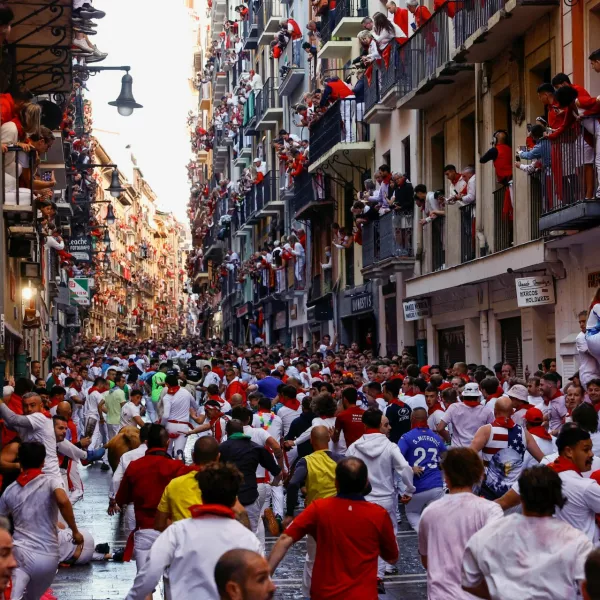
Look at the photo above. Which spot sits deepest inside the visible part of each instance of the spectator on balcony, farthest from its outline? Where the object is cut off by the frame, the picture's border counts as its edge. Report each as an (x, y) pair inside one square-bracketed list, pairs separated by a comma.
[(299, 254), (451, 7), (431, 203), (310, 50), (255, 80), (364, 213), (399, 16), (457, 183), (418, 15), (11, 106), (469, 195), (368, 49), (501, 154), (384, 31), (336, 89), (261, 170), (540, 154), (314, 29)]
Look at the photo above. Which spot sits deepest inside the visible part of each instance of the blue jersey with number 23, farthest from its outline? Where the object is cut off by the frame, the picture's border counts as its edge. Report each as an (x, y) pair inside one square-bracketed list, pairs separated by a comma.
[(423, 448)]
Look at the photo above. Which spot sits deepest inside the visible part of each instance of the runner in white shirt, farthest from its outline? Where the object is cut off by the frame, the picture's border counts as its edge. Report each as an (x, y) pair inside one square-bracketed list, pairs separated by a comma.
[(555, 570), (130, 413), (325, 408), (90, 411), (435, 409), (34, 426), (465, 417), (582, 493), (291, 407), (447, 524), (34, 501), (192, 565), (177, 403)]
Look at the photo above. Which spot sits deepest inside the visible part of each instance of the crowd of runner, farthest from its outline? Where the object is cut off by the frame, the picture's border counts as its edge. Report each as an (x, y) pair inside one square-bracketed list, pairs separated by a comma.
[(498, 475)]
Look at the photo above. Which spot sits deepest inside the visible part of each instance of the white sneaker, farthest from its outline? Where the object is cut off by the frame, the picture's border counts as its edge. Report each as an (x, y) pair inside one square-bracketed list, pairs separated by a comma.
[(81, 44)]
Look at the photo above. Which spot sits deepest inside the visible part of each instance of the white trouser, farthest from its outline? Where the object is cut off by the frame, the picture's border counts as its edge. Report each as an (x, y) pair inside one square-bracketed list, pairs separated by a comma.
[(143, 540), (277, 500), (254, 511), (129, 518), (177, 439), (309, 563), (34, 575), (419, 503), (151, 410), (390, 503), (347, 109)]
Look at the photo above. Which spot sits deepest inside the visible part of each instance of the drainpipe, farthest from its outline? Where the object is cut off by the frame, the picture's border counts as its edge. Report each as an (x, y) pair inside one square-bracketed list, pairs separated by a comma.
[(416, 225), (478, 181)]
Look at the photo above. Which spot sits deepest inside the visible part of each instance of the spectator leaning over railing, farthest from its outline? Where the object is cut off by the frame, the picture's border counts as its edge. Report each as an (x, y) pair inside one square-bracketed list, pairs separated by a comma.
[(419, 15), (431, 203), (502, 155), (399, 16), (384, 31), (336, 89), (469, 195)]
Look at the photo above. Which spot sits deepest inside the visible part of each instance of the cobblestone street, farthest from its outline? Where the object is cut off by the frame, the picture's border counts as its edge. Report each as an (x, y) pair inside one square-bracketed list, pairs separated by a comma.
[(113, 580)]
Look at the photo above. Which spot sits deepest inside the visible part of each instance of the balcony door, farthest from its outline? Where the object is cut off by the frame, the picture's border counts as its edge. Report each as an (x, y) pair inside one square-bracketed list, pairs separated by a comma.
[(512, 343), (451, 344)]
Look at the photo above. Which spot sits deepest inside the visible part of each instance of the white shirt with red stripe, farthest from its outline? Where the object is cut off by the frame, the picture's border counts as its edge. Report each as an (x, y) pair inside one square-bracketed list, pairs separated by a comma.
[(176, 407)]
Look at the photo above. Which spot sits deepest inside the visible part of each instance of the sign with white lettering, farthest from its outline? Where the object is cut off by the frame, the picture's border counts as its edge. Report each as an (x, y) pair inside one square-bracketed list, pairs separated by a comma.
[(532, 291), (416, 309), (361, 303), (81, 248), (79, 291)]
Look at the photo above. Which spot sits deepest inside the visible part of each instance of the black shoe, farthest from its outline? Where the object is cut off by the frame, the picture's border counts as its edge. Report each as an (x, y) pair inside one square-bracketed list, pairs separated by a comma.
[(102, 548), (180, 456), (104, 467), (118, 555), (94, 12), (380, 586)]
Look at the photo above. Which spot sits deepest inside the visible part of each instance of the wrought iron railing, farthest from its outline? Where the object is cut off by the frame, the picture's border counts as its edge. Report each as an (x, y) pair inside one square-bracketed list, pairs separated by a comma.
[(388, 237), (472, 15), (267, 98), (343, 9), (250, 23), (269, 9), (535, 197), (338, 125), (250, 109), (438, 243), (503, 219), (467, 233), (13, 195)]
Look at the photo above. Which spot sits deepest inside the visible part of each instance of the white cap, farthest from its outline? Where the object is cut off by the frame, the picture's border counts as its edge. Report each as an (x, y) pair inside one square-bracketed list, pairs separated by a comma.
[(257, 160), (322, 348), (7, 391), (471, 391), (412, 2)]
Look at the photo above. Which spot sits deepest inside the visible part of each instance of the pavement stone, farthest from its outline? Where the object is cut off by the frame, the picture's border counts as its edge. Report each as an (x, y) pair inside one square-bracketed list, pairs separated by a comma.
[(111, 581)]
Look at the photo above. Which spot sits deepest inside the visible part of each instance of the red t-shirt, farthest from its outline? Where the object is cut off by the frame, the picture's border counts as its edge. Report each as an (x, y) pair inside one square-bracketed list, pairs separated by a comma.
[(350, 422), (351, 534)]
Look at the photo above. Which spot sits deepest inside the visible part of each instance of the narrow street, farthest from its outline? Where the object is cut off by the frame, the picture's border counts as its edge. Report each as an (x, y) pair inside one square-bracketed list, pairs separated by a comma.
[(111, 581)]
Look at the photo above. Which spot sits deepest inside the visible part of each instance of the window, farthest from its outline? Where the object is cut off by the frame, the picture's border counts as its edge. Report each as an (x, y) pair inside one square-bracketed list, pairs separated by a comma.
[(406, 156), (451, 344), (512, 345)]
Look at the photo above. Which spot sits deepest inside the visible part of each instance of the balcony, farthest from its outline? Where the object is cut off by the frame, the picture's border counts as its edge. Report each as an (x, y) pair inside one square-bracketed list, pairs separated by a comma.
[(269, 15), (250, 28), (220, 9), (567, 198), (269, 108), (243, 149), (17, 202), (483, 29), (338, 130), (310, 196), (292, 68), (387, 242), (250, 114), (438, 244), (205, 96), (503, 223), (229, 284), (344, 23), (272, 206)]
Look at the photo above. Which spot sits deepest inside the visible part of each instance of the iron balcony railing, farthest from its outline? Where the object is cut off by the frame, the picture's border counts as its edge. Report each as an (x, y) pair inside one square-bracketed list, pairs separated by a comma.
[(249, 25), (13, 195), (267, 98), (269, 9), (438, 243), (535, 196), (467, 233), (342, 10), (338, 125), (503, 219), (309, 188), (250, 110), (388, 237), (472, 15)]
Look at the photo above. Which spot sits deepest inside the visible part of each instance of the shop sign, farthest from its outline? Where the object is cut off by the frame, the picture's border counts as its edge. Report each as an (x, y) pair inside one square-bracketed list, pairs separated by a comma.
[(81, 248), (361, 303), (79, 291), (594, 280), (242, 311), (534, 291), (416, 309)]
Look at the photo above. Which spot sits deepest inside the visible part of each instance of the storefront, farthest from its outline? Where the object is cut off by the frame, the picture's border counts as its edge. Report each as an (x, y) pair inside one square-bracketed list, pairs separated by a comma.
[(357, 310), (319, 320), (243, 314)]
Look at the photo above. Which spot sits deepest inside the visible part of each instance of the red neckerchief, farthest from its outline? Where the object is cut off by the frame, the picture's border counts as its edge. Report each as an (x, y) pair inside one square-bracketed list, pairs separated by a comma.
[(556, 395), (28, 475), (540, 431), (93, 389), (596, 406), (74, 386), (211, 510), (371, 430), (289, 403), (505, 422), (419, 425), (217, 428), (561, 464), (396, 401), (436, 406), (471, 403), (497, 394), (173, 390), (465, 378), (410, 394)]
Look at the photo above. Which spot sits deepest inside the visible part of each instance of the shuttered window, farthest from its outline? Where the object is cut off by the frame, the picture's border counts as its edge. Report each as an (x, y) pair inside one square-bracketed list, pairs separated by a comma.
[(512, 343)]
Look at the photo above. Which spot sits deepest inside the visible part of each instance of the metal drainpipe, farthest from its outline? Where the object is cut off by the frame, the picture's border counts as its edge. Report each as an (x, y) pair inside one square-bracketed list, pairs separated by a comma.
[(478, 181)]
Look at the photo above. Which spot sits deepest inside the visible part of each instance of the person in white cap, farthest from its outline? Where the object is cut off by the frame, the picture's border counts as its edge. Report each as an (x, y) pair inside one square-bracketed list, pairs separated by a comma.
[(261, 170), (7, 392), (465, 417), (503, 444), (520, 402)]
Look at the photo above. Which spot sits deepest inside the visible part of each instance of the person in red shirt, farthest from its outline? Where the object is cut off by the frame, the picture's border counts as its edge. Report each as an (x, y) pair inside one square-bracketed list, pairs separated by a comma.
[(421, 14), (234, 386), (399, 16), (349, 421), (351, 532), (451, 10), (143, 484)]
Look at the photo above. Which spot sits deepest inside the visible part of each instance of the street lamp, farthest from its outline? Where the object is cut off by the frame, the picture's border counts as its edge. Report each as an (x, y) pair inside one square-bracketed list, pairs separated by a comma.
[(106, 238), (115, 188), (108, 250), (125, 103), (144, 250), (110, 215)]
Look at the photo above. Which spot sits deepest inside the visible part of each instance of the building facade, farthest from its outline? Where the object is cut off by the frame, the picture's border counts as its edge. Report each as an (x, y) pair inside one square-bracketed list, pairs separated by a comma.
[(452, 287)]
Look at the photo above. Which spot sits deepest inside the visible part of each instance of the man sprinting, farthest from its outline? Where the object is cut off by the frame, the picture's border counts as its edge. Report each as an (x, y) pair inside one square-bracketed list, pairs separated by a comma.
[(177, 403), (34, 502)]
